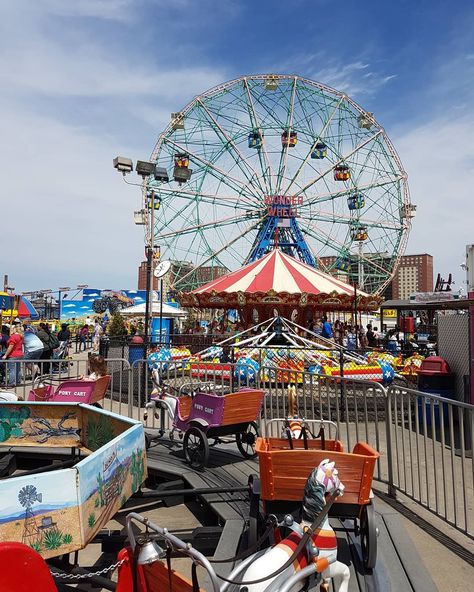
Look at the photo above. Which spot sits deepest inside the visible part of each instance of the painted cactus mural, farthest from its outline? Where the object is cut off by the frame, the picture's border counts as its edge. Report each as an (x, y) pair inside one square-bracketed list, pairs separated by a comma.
[(99, 431), (11, 421), (60, 511), (137, 469), (100, 490)]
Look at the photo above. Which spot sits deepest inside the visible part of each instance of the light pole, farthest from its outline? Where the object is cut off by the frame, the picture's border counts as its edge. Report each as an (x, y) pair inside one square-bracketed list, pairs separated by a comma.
[(149, 274), (60, 291), (152, 176), (160, 272)]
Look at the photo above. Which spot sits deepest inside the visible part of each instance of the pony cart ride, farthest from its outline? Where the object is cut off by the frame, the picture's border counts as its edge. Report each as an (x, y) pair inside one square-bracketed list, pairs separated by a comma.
[(284, 567), (199, 416), (285, 463), (69, 391)]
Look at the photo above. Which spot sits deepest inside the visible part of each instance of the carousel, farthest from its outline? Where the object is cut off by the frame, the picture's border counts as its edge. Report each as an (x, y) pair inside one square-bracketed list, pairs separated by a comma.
[(277, 298), (280, 285)]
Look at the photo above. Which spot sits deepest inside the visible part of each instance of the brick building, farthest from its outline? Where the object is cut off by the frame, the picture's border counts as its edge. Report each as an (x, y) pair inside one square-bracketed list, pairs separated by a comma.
[(414, 274)]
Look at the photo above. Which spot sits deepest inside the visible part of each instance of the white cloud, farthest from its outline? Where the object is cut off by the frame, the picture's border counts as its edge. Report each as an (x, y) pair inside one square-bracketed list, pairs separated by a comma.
[(103, 9), (359, 77), (80, 66), (68, 213), (354, 78), (439, 159)]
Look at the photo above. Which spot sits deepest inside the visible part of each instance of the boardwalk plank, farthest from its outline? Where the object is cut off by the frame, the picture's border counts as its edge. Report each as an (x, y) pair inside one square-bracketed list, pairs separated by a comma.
[(416, 572)]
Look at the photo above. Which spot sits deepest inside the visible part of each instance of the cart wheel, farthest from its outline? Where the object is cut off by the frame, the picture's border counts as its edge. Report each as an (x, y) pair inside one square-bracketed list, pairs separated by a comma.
[(196, 448), (148, 440), (368, 536), (247, 439)]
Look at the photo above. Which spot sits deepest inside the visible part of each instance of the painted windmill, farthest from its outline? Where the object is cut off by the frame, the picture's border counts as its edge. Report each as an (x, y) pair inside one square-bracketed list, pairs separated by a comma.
[(27, 497)]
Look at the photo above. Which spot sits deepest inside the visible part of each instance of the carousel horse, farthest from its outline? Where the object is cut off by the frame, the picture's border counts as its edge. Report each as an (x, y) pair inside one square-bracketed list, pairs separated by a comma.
[(321, 549), (160, 398)]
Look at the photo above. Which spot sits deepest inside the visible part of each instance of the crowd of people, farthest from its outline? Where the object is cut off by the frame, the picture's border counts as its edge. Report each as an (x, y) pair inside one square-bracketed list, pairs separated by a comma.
[(23, 341), (346, 334)]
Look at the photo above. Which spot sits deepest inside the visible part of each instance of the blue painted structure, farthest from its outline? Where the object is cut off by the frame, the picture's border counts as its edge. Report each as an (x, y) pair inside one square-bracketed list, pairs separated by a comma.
[(288, 239), (155, 330)]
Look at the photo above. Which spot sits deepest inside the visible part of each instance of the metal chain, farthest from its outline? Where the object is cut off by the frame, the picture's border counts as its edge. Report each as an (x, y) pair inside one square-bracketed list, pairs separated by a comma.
[(88, 575)]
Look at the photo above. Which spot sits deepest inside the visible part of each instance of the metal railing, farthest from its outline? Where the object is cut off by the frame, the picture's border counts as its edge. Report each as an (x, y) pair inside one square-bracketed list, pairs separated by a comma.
[(425, 441), (431, 454), (26, 374), (357, 407)]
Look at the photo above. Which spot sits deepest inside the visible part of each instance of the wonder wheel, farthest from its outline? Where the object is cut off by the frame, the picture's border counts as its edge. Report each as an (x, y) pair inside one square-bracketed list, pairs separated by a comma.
[(279, 161)]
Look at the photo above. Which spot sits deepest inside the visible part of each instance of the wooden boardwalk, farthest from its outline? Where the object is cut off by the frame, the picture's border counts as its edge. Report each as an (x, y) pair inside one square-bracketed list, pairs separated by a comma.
[(399, 567)]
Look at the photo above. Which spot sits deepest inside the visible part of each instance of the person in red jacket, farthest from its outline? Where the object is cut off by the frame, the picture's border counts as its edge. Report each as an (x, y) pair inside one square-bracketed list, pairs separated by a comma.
[(14, 352)]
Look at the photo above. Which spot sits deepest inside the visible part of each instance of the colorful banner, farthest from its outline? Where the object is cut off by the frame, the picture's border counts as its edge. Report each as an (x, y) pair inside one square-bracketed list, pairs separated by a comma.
[(6, 302), (155, 331), (104, 300)]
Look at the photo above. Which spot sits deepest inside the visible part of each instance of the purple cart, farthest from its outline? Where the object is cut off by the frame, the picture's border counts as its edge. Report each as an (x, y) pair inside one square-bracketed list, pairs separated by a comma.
[(207, 415)]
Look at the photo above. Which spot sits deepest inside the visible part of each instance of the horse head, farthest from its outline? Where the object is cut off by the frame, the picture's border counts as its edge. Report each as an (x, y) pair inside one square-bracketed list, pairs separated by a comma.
[(324, 479)]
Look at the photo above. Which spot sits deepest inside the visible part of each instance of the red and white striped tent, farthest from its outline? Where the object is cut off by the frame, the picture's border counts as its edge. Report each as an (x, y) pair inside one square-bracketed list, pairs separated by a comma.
[(278, 280)]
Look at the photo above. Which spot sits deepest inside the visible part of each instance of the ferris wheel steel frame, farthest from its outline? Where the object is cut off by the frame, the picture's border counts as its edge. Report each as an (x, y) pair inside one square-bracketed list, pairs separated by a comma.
[(223, 202)]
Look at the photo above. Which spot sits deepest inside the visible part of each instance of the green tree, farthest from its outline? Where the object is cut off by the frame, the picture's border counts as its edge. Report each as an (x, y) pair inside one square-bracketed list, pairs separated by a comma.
[(116, 327)]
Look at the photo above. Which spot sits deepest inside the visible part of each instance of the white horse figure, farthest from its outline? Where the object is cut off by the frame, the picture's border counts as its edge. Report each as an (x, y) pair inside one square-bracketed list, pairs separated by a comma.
[(321, 550), (159, 398)]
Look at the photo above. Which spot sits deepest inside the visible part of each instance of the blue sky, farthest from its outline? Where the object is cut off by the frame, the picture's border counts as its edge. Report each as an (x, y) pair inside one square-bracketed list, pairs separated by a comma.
[(85, 80)]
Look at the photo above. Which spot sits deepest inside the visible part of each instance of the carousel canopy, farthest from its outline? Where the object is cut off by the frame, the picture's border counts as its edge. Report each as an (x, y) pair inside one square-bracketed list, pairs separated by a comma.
[(279, 279)]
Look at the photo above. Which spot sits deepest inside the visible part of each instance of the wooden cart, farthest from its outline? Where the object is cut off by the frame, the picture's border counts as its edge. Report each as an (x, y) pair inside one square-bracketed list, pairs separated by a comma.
[(201, 416), (285, 466), (70, 390)]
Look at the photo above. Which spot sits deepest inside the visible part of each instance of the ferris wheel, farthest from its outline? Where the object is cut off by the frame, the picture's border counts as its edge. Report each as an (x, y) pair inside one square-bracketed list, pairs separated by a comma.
[(280, 161)]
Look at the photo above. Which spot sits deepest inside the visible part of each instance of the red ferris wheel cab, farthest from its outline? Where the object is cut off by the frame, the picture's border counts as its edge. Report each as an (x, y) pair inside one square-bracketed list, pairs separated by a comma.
[(342, 172)]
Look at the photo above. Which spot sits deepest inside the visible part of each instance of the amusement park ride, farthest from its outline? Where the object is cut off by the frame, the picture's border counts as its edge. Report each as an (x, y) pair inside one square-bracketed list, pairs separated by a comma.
[(254, 165), (267, 161)]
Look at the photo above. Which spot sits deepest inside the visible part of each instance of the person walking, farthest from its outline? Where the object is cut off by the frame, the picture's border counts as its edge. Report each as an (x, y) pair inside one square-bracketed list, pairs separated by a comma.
[(65, 333), (98, 332), (45, 335), (351, 339), (64, 337), (33, 348), (15, 353), (83, 337), (362, 337), (4, 337), (371, 341)]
